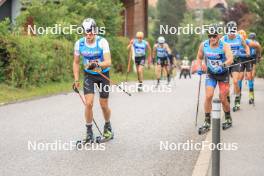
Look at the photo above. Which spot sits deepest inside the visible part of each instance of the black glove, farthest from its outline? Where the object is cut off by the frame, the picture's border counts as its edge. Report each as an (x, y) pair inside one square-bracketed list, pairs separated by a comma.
[(92, 66), (236, 59)]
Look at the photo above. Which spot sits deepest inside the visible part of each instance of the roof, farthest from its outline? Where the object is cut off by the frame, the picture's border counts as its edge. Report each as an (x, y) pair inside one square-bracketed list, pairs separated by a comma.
[(204, 4), (2, 2)]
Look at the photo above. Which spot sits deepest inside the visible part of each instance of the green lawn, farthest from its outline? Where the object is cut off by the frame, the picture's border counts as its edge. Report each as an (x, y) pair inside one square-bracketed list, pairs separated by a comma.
[(11, 94)]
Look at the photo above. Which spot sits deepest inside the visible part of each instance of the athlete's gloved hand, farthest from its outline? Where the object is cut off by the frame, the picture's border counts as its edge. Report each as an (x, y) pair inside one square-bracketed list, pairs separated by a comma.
[(199, 72), (236, 58), (223, 65), (93, 65), (76, 86)]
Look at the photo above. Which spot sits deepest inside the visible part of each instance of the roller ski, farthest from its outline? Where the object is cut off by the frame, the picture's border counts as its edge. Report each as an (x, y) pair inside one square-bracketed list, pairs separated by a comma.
[(107, 135), (140, 87), (158, 83), (89, 139), (237, 104), (168, 80), (204, 128), (251, 98), (227, 124), (236, 108), (251, 101)]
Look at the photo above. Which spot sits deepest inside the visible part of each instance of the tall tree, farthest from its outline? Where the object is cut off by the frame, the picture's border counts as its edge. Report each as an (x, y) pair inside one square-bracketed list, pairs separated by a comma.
[(170, 12)]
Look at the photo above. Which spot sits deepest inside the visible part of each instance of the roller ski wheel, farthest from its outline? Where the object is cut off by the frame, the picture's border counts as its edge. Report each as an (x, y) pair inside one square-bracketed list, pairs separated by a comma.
[(100, 139), (168, 80), (81, 143), (251, 101), (89, 139), (227, 124), (107, 135), (157, 85), (236, 108), (204, 129), (140, 87)]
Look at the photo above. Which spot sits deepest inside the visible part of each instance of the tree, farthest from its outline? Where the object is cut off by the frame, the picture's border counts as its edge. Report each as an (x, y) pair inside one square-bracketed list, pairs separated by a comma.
[(73, 12), (236, 12), (257, 7), (170, 12), (187, 45)]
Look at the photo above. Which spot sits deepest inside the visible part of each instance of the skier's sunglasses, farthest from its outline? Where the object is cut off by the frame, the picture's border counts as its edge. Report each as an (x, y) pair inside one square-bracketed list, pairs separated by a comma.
[(212, 36), (90, 32)]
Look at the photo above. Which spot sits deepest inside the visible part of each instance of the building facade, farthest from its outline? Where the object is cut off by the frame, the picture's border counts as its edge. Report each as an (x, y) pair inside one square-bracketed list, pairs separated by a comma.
[(9, 9), (135, 17)]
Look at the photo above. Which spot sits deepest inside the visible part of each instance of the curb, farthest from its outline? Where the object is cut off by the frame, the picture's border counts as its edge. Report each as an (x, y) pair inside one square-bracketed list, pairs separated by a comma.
[(34, 98), (203, 162)]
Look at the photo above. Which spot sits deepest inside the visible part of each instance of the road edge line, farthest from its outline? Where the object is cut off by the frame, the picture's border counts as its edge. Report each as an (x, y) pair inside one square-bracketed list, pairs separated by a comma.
[(202, 164)]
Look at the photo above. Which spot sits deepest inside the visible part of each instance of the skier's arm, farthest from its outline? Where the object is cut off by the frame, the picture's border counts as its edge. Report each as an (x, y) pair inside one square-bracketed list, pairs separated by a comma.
[(76, 62), (228, 54), (107, 61), (257, 46), (106, 54), (130, 44), (200, 55), (76, 67), (168, 49), (149, 53), (154, 52), (246, 47)]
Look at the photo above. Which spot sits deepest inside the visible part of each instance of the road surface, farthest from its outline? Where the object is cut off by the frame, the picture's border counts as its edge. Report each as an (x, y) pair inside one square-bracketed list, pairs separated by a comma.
[(140, 124)]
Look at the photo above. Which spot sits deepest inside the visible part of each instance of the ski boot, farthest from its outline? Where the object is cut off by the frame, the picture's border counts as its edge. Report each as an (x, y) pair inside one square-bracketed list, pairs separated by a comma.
[(168, 79), (236, 107), (237, 104), (227, 124), (89, 139), (140, 85), (107, 135), (158, 83), (204, 128), (251, 98)]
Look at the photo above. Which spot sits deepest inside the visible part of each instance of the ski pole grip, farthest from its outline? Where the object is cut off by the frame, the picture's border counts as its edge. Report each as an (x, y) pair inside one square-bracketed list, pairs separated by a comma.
[(216, 113), (75, 89)]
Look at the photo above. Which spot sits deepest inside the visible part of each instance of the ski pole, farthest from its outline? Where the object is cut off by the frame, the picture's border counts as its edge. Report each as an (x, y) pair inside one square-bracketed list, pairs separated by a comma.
[(198, 100), (128, 64), (78, 92), (239, 63), (113, 83)]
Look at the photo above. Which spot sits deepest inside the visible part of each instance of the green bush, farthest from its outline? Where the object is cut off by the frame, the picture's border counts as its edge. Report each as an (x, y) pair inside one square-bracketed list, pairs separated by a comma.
[(119, 53), (5, 27), (33, 61), (260, 69), (73, 12)]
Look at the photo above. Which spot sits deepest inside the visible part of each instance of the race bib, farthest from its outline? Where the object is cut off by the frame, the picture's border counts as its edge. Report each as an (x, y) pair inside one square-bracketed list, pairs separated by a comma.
[(215, 66)]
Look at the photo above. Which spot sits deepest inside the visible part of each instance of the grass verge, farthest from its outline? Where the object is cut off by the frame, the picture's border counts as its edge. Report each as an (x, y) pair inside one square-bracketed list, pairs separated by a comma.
[(10, 94)]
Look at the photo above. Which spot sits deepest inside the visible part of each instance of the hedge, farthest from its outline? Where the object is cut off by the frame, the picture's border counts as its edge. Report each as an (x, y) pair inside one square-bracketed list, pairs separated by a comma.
[(33, 61), (260, 69)]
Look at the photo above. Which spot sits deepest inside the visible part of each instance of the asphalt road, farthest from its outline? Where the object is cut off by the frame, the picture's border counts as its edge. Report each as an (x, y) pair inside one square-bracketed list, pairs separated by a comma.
[(140, 123)]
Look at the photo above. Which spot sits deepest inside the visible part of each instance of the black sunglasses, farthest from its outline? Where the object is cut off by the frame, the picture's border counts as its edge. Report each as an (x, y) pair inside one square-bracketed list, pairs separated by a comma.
[(212, 36)]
